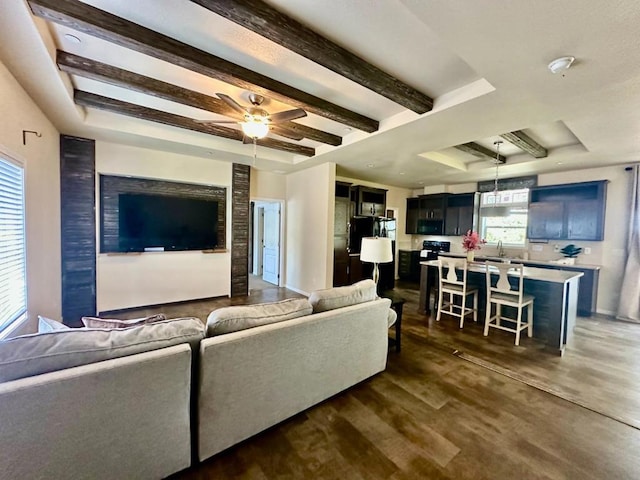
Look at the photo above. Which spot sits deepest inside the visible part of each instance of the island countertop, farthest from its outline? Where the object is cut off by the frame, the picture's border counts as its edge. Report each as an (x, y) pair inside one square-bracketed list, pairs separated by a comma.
[(547, 263), (533, 273)]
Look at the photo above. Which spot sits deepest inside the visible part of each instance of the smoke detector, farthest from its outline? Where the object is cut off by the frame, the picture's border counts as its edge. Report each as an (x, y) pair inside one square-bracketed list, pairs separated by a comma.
[(561, 64)]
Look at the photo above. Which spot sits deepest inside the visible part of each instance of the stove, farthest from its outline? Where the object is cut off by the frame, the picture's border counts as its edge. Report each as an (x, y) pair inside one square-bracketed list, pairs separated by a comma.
[(431, 248)]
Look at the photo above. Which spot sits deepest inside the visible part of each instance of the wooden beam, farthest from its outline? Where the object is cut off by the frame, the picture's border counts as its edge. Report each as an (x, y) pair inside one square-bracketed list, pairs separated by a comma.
[(93, 21), (92, 100), (85, 67), (261, 18), (526, 143), (480, 152)]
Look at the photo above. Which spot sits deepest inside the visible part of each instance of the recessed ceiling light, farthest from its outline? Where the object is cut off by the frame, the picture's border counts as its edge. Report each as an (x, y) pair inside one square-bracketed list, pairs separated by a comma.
[(558, 163), (370, 165), (348, 129), (401, 173), (421, 183), (72, 38)]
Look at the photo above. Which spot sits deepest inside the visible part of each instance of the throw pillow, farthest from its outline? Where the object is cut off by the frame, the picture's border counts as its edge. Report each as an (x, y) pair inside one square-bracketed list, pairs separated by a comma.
[(96, 322), (338, 297), (37, 353), (47, 325), (233, 319)]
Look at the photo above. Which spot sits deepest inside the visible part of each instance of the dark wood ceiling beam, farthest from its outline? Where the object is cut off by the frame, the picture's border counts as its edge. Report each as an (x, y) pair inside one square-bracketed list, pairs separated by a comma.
[(101, 24), (526, 143), (85, 67), (120, 107), (261, 18), (479, 151)]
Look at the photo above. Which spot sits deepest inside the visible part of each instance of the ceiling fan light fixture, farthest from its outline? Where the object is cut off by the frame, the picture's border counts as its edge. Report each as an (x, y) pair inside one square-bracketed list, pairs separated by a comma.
[(561, 64), (255, 128)]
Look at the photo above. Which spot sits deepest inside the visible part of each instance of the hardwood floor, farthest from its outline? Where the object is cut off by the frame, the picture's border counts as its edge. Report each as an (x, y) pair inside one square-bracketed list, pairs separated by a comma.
[(456, 405)]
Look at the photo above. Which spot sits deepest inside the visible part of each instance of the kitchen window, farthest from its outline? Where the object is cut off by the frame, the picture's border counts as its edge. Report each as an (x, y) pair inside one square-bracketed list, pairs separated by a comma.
[(503, 216), (13, 282)]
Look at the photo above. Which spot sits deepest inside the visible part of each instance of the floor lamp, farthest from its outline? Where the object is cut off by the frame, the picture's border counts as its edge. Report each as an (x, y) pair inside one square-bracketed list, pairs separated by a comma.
[(376, 250)]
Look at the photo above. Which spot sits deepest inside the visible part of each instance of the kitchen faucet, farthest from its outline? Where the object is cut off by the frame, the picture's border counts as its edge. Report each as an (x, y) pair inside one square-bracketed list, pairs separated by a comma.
[(500, 249)]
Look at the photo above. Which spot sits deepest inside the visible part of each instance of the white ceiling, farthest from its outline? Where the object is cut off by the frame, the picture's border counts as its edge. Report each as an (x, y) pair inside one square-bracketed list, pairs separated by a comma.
[(484, 63)]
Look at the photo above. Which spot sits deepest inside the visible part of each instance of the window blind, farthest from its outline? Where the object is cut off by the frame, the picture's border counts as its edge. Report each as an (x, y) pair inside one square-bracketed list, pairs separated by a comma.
[(13, 285)]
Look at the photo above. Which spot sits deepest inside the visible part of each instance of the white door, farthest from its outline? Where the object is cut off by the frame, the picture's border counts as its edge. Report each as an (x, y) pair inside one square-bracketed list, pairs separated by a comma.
[(271, 250)]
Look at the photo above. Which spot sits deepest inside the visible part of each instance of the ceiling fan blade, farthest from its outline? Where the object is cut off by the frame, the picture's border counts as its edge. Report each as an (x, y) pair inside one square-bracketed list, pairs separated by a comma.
[(231, 102), (286, 132), (215, 121), (287, 115)]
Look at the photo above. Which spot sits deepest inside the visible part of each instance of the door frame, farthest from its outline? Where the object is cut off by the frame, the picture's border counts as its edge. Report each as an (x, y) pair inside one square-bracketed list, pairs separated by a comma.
[(258, 251)]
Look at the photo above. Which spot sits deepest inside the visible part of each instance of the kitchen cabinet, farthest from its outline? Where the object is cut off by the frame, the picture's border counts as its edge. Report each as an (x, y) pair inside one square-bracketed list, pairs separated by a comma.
[(546, 220), (341, 216), (460, 213), (431, 214), (409, 265), (369, 201), (572, 211), (413, 213)]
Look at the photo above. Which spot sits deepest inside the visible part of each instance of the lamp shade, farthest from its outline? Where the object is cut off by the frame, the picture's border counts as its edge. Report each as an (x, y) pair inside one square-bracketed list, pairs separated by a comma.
[(376, 250)]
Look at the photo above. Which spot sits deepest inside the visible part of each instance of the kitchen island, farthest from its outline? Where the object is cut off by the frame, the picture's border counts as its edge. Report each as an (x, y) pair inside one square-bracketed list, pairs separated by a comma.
[(555, 291)]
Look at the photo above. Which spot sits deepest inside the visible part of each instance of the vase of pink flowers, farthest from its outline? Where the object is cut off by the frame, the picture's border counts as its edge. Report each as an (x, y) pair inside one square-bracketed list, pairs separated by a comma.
[(471, 242)]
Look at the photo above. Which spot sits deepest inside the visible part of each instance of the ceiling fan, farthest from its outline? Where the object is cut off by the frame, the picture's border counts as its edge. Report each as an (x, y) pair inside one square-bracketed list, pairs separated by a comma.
[(256, 122)]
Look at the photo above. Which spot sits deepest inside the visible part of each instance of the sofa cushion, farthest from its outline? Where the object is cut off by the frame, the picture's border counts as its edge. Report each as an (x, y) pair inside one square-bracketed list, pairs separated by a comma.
[(38, 353), (96, 322), (338, 297), (241, 317), (47, 325)]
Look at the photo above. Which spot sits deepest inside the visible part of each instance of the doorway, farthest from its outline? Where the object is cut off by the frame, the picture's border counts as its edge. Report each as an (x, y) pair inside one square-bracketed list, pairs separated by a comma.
[(266, 244)]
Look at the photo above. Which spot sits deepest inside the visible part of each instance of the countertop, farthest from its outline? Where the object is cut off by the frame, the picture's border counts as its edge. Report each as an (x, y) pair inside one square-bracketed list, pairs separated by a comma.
[(533, 273), (525, 262)]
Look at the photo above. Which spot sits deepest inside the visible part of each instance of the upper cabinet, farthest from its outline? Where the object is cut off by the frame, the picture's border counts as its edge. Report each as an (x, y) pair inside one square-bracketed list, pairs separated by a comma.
[(572, 211), (369, 201), (441, 214), (460, 213)]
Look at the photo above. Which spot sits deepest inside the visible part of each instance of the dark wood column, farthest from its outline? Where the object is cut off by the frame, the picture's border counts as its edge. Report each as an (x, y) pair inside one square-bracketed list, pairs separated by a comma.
[(240, 230), (78, 228)]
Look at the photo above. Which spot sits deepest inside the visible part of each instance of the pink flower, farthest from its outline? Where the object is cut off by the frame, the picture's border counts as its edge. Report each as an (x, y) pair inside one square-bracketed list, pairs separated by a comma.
[(472, 241)]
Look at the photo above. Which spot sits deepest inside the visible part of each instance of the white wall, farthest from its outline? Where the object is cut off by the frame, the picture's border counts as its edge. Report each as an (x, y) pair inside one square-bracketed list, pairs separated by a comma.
[(309, 233), (131, 280), (40, 157)]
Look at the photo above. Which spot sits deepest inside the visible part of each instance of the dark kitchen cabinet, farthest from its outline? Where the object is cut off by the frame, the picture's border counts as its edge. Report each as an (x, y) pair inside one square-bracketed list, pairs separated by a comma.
[(546, 220), (413, 213), (369, 201), (409, 265), (460, 213), (572, 211), (431, 214), (341, 216)]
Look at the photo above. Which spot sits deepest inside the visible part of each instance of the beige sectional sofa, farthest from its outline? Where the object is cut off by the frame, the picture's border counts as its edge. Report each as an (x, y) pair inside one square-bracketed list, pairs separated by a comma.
[(102, 403)]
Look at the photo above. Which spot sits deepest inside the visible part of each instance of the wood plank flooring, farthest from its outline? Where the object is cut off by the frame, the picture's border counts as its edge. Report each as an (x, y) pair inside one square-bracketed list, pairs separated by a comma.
[(434, 415)]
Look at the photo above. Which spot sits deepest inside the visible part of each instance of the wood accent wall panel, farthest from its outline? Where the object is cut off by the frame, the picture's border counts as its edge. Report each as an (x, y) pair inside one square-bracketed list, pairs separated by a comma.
[(112, 186), (240, 230), (78, 228)]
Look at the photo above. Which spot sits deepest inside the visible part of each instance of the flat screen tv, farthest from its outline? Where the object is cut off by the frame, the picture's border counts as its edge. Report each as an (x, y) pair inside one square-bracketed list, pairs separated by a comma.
[(148, 222)]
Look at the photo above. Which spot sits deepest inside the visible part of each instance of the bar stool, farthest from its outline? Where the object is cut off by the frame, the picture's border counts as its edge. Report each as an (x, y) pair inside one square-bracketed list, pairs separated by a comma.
[(502, 294), (453, 287)]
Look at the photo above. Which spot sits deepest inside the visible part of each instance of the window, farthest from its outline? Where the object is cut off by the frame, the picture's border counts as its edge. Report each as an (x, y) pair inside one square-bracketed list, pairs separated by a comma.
[(13, 285), (503, 217)]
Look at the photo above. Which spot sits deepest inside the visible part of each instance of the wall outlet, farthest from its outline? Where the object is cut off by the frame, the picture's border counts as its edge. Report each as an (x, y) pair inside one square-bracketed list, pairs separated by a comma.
[(556, 248), (587, 250), (536, 248)]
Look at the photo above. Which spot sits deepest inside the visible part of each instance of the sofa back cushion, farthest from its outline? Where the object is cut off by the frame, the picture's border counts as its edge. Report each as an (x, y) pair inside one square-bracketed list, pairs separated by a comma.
[(241, 317), (338, 297), (97, 322), (38, 353)]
